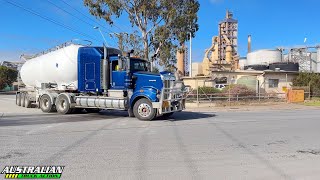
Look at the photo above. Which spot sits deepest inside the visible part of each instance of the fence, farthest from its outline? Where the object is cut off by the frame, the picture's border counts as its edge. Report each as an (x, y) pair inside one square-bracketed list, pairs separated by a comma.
[(201, 96)]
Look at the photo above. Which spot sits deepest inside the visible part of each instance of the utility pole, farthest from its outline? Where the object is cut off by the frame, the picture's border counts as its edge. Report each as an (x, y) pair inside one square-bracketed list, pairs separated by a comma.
[(105, 41), (190, 58)]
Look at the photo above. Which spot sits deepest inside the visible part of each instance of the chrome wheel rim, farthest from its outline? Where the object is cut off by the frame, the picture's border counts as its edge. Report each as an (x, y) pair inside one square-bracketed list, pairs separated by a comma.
[(63, 104), (144, 110), (46, 103)]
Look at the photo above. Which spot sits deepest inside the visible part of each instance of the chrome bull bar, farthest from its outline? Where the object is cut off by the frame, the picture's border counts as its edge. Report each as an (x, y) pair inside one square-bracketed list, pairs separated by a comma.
[(172, 97)]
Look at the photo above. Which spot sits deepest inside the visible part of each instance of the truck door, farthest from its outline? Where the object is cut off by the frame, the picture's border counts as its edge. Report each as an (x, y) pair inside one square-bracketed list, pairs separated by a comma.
[(90, 83), (117, 76)]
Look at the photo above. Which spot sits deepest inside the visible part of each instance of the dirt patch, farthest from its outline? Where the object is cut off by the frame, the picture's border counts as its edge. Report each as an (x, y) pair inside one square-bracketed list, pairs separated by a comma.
[(13, 154), (314, 152)]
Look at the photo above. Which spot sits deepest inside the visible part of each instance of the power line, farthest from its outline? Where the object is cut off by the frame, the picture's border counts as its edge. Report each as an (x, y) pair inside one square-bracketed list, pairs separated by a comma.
[(50, 20), (94, 21), (91, 25)]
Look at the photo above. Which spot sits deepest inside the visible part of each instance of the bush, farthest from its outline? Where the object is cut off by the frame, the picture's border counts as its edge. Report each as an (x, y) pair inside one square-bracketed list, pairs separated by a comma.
[(207, 90), (238, 89), (306, 79)]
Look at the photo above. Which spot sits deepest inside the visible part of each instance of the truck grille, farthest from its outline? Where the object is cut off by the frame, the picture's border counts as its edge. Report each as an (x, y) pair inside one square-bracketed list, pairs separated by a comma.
[(172, 90)]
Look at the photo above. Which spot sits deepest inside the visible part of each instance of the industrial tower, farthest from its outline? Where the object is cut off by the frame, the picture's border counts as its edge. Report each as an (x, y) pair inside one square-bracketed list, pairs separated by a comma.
[(228, 40)]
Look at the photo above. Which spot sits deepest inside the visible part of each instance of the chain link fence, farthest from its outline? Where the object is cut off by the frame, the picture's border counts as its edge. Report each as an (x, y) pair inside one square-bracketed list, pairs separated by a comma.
[(200, 95)]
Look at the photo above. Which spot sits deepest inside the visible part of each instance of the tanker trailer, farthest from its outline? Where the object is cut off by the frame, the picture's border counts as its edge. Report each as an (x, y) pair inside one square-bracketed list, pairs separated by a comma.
[(76, 77)]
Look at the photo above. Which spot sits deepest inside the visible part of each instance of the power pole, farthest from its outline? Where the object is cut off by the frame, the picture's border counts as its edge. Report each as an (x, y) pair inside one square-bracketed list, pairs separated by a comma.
[(190, 58)]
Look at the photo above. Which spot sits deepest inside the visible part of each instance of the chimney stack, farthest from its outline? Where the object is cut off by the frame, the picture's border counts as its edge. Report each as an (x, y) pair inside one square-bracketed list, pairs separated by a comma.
[(249, 43)]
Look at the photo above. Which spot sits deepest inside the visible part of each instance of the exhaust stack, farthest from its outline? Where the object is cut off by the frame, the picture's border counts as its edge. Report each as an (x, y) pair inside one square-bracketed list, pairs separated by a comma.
[(249, 43)]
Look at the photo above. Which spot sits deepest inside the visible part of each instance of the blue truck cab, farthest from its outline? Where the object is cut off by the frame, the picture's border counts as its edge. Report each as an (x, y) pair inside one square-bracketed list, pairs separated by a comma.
[(109, 80)]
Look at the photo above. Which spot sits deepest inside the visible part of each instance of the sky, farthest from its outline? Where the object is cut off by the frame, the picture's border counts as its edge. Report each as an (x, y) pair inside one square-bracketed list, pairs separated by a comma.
[(272, 24)]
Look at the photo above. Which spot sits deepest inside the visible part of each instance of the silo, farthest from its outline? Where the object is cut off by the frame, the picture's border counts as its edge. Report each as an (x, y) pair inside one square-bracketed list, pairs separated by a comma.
[(242, 62), (314, 62), (180, 61), (264, 57)]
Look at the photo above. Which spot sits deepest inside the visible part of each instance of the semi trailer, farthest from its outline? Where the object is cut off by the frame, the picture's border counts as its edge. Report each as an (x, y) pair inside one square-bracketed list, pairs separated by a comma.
[(74, 77)]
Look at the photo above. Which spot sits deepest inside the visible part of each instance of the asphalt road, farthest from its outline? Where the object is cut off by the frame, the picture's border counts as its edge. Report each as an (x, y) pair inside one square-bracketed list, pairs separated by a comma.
[(277, 144)]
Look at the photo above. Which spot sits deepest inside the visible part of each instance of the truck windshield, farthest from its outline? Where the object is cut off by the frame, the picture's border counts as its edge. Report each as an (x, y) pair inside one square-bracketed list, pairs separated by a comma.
[(139, 65)]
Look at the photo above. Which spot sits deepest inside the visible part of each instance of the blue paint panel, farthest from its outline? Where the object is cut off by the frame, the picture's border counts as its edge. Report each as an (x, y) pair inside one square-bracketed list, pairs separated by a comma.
[(89, 68), (118, 79), (89, 65), (149, 93), (147, 80)]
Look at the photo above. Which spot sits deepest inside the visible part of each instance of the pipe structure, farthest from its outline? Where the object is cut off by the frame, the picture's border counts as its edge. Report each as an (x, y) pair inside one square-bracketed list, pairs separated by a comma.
[(249, 43), (180, 60), (105, 70)]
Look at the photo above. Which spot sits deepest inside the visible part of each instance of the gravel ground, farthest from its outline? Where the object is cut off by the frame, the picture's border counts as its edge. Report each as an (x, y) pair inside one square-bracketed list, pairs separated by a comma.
[(268, 142)]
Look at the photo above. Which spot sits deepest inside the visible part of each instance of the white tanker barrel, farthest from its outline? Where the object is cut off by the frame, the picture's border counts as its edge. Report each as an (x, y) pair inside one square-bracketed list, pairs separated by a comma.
[(58, 67)]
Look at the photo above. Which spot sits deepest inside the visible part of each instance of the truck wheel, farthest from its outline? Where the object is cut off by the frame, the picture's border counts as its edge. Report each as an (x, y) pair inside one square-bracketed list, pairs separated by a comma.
[(46, 104), (143, 110), (23, 99), (63, 105), (27, 101), (92, 110), (165, 116), (19, 99)]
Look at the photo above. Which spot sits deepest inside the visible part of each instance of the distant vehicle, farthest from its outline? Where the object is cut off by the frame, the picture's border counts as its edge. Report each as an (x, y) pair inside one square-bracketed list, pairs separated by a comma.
[(220, 86), (74, 76)]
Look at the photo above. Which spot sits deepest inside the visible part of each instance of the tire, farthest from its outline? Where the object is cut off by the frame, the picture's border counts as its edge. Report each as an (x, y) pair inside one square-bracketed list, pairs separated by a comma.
[(23, 99), (63, 105), (92, 110), (165, 116), (27, 101), (19, 99), (46, 104), (143, 110)]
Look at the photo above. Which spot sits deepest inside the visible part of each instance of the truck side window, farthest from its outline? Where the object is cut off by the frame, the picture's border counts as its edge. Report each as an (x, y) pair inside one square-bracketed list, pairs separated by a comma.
[(115, 66)]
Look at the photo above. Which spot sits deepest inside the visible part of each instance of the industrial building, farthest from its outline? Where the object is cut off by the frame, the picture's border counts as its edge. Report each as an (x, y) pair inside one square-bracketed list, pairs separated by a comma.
[(265, 70)]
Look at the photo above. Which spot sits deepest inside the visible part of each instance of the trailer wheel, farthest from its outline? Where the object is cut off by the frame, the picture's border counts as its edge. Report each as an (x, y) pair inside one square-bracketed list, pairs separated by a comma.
[(19, 99), (46, 104), (63, 105), (23, 99), (143, 110), (27, 101)]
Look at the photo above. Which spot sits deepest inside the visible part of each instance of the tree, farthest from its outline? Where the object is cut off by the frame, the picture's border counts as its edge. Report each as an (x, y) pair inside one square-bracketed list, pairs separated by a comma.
[(308, 79), (7, 76), (128, 42), (163, 24)]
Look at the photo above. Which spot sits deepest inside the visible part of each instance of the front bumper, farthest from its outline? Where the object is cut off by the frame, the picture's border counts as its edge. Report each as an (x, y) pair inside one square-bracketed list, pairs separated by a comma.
[(172, 99)]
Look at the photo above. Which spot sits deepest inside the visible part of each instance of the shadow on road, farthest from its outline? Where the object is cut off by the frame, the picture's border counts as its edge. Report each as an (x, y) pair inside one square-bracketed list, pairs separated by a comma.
[(35, 119), (186, 115), (53, 118)]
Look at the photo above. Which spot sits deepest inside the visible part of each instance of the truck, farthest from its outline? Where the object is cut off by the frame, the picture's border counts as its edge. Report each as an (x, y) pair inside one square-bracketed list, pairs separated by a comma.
[(73, 77)]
